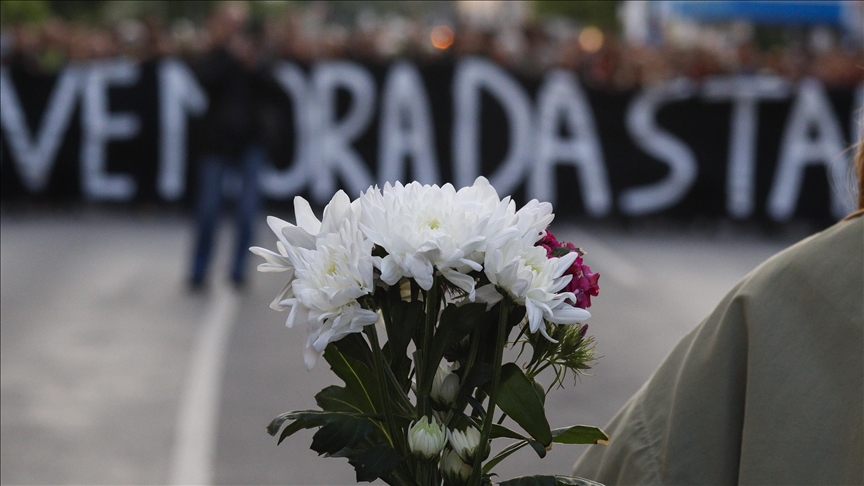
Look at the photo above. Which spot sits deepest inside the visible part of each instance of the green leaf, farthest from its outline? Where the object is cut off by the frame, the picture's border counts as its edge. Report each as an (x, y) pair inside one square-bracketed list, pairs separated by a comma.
[(541, 392), (541, 480), (499, 431), (361, 384), (455, 323), (340, 432), (505, 452), (355, 346), (579, 434), (398, 390), (339, 399), (277, 422), (306, 419), (480, 374), (404, 318), (518, 399), (377, 462)]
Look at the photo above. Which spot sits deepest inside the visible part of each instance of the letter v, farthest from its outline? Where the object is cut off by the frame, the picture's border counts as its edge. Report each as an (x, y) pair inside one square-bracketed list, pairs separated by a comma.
[(35, 160)]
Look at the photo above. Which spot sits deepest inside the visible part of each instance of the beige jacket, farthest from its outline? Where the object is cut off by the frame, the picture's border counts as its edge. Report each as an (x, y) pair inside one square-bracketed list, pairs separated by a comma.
[(768, 389)]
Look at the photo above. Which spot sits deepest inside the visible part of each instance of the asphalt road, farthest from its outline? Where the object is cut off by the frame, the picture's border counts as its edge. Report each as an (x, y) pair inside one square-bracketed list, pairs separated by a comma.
[(111, 372)]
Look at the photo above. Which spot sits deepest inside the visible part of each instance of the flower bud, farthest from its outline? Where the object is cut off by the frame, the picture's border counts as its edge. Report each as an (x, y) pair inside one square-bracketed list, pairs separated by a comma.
[(464, 443), (445, 385), (426, 438), (453, 468)]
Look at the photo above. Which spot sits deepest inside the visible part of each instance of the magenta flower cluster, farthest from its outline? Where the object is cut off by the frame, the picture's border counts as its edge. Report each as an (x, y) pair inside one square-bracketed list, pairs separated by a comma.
[(584, 284)]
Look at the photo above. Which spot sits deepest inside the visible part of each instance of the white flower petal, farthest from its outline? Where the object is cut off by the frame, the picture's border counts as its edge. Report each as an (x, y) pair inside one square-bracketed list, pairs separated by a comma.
[(274, 261), (338, 210), (305, 217), (489, 295), (460, 280), (280, 297), (535, 316), (310, 357), (567, 314), (390, 270), (565, 262), (297, 237)]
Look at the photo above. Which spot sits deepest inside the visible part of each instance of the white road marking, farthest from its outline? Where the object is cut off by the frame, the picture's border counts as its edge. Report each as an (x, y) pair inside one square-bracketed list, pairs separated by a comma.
[(197, 419)]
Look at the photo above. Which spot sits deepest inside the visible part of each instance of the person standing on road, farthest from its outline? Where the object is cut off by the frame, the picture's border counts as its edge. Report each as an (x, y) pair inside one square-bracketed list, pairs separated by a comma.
[(768, 389), (229, 140)]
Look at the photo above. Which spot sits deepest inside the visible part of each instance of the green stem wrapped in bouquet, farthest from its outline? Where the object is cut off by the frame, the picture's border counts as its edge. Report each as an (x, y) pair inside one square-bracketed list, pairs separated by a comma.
[(450, 276)]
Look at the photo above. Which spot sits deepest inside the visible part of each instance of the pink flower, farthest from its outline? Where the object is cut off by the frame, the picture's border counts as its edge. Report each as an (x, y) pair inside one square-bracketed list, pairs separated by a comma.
[(584, 283), (549, 243)]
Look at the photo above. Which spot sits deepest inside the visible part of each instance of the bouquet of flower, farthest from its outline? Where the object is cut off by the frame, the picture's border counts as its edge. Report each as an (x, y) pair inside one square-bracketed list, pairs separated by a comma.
[(448, 276)]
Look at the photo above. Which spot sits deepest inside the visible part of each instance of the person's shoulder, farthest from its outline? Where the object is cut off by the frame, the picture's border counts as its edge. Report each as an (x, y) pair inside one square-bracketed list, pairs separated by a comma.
[(830, 253)]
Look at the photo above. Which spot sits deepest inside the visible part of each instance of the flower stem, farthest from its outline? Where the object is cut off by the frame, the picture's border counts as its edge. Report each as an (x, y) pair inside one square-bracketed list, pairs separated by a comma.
[(398, 440), (432, 306), (466, 370), (477, 470)]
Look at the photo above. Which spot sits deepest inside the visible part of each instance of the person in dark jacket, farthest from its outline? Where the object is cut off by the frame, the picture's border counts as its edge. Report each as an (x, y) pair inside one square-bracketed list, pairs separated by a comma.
[(228, 137)]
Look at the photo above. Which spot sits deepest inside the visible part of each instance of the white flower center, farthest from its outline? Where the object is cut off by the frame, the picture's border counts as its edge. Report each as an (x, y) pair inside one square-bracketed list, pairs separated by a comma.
[(331, 268)]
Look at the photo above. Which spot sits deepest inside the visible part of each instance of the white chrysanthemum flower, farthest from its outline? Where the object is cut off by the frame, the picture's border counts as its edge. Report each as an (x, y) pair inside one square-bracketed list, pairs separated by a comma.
[(533, 280), (445, 384), (464, 443), (500, 214), (423, 229), (426, 438), (503, 222), (302, 235), (332, 268), (453, 468)]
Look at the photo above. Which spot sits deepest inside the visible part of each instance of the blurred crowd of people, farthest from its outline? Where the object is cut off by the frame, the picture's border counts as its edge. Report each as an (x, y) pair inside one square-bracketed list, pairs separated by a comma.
[(602, 58)]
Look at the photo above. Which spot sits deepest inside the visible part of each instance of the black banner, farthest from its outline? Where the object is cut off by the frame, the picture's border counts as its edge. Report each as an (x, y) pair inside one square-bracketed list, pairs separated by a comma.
[(738, 146)]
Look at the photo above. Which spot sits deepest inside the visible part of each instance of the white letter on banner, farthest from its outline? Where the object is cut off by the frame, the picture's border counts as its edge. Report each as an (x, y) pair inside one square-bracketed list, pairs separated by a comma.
[(745, 92), (811, 112), (406, 128), (284, 183), (179, 93), (655, 141), (99, 126), (332, 147), (561, 99), (34, 160), (472, 74)]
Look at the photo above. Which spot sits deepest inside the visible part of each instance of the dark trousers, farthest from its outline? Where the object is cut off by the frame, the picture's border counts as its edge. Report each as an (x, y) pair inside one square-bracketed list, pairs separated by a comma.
[(213, 170)]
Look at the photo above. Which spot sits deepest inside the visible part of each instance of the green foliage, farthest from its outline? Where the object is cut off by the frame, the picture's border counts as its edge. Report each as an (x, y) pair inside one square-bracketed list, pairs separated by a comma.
[(361, 387), (455, 323), (367, 420), (572, 353), (401, 319), (499, 431), (579, 434), (24, 11), (518, 399), (340, 434), (377, 462)]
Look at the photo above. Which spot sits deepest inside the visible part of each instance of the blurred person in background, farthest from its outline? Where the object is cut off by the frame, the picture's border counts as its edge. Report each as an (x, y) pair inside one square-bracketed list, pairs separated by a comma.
[(767, 389), (23, 53), (229, 137)]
